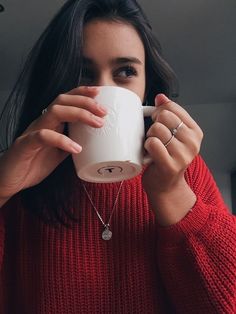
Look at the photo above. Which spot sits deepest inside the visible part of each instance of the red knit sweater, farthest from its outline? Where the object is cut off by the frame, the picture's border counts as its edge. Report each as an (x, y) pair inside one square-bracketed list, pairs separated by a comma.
[(189, 267)]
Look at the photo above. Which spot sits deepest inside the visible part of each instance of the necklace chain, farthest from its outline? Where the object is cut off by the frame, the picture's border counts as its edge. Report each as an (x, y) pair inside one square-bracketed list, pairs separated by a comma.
[(106, 234)]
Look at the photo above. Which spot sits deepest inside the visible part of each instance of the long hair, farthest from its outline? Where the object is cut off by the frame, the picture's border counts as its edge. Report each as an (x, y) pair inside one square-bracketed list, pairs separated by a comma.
[(53, 67)]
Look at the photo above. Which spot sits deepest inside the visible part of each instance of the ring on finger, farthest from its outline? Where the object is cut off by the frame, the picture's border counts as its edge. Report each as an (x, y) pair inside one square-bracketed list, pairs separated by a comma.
[(168, 142), (173, 133), (175, 130)]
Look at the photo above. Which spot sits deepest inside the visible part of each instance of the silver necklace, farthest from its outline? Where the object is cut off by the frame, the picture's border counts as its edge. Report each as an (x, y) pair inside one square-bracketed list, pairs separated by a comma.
[(106, 234)]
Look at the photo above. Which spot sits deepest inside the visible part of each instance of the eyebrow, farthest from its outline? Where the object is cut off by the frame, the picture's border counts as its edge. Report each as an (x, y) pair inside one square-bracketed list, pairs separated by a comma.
[(116, 61), (126, 60)]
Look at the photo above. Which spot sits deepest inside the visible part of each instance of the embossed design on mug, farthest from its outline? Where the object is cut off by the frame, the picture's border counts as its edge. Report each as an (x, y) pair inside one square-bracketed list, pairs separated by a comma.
[(110, 123)]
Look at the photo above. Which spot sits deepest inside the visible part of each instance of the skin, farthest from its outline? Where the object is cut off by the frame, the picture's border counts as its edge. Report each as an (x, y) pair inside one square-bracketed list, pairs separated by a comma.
[(35, 154)]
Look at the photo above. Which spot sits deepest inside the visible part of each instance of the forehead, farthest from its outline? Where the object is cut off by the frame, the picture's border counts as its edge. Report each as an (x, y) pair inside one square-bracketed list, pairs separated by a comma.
[(113, 38)]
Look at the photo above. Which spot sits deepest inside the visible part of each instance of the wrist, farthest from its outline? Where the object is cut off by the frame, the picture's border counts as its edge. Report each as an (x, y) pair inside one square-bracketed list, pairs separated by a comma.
[(173, 205)]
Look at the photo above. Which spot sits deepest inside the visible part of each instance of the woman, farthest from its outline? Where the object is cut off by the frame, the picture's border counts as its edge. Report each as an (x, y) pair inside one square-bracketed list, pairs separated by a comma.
[(173, 241)]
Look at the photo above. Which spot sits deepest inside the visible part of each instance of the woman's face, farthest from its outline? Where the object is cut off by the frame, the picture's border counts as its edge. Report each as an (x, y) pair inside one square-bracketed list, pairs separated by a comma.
[(113, 54)]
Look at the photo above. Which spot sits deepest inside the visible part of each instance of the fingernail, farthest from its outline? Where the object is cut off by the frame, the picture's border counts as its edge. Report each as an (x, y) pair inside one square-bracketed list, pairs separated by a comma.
[(102, 109), (99, 120), (76, 147), (161, 99)]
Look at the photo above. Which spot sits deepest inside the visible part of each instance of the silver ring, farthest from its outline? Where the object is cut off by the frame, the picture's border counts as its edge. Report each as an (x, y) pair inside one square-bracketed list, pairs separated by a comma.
[(173, 133), (168, 142), (44, 110), (175, 130)]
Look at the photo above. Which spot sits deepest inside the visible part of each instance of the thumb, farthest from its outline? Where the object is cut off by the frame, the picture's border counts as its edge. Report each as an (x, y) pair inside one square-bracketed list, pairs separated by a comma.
[(161, 99)]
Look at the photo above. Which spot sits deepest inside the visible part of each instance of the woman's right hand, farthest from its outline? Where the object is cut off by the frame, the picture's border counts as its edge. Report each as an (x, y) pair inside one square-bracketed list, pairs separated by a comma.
[(43, 146)]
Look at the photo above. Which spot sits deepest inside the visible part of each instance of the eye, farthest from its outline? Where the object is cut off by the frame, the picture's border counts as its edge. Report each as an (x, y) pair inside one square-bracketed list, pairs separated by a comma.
[(125, 72)]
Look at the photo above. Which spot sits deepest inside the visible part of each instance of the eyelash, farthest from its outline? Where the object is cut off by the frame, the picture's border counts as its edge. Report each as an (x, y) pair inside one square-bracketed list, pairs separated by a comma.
[(89, 76), (132, 72)]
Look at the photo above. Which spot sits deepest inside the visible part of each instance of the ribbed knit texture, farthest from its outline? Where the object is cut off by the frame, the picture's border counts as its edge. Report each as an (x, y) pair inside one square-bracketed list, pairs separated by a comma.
[(186, 268)]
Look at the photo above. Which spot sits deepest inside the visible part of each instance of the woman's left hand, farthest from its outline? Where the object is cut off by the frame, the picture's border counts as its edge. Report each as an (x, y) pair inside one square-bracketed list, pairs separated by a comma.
[(164, 182)]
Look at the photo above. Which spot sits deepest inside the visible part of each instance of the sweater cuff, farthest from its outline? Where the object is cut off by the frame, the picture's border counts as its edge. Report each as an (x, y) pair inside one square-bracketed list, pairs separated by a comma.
[(192, 223)]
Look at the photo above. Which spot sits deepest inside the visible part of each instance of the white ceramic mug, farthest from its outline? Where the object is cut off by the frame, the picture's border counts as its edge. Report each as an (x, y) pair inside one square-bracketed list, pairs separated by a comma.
[(115, 151)]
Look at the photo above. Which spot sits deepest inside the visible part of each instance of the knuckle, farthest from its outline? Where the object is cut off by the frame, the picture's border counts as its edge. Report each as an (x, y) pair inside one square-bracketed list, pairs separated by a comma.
[(151, 143), (82, 113), (186, 161), (75, 91), (164, 114), (39, 134), (19, 139), (195, 147), (91, 103), (60, 98), (153, 128), (201, 134), (84, 102), (194, 141), (158, 129), (54, 109)]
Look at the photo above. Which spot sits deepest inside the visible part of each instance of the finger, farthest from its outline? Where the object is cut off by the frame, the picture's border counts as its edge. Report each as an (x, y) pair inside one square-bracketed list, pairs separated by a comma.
[(48, 138), (79, 101), (159, 131), (56, 123), (56, 115), (162, 102), (60, 114), (90, 91), (161, 99), (159, 154), (164, 134), (187, 137), (174, 124), (169, 163), (188, 146)]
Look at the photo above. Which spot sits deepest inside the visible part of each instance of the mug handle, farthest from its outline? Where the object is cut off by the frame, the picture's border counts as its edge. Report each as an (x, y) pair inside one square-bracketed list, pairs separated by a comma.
[(147, 112)]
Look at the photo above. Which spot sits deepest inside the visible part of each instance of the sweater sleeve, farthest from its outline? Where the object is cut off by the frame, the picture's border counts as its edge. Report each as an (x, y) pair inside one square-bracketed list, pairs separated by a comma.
[(197, 256)]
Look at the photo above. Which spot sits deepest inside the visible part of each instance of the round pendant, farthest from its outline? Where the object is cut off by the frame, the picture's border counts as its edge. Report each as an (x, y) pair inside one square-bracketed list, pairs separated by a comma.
[(107, 234)]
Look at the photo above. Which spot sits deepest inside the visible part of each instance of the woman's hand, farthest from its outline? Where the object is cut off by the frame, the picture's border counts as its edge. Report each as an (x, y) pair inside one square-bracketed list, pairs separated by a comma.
[(168, 192), (43, 146)]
